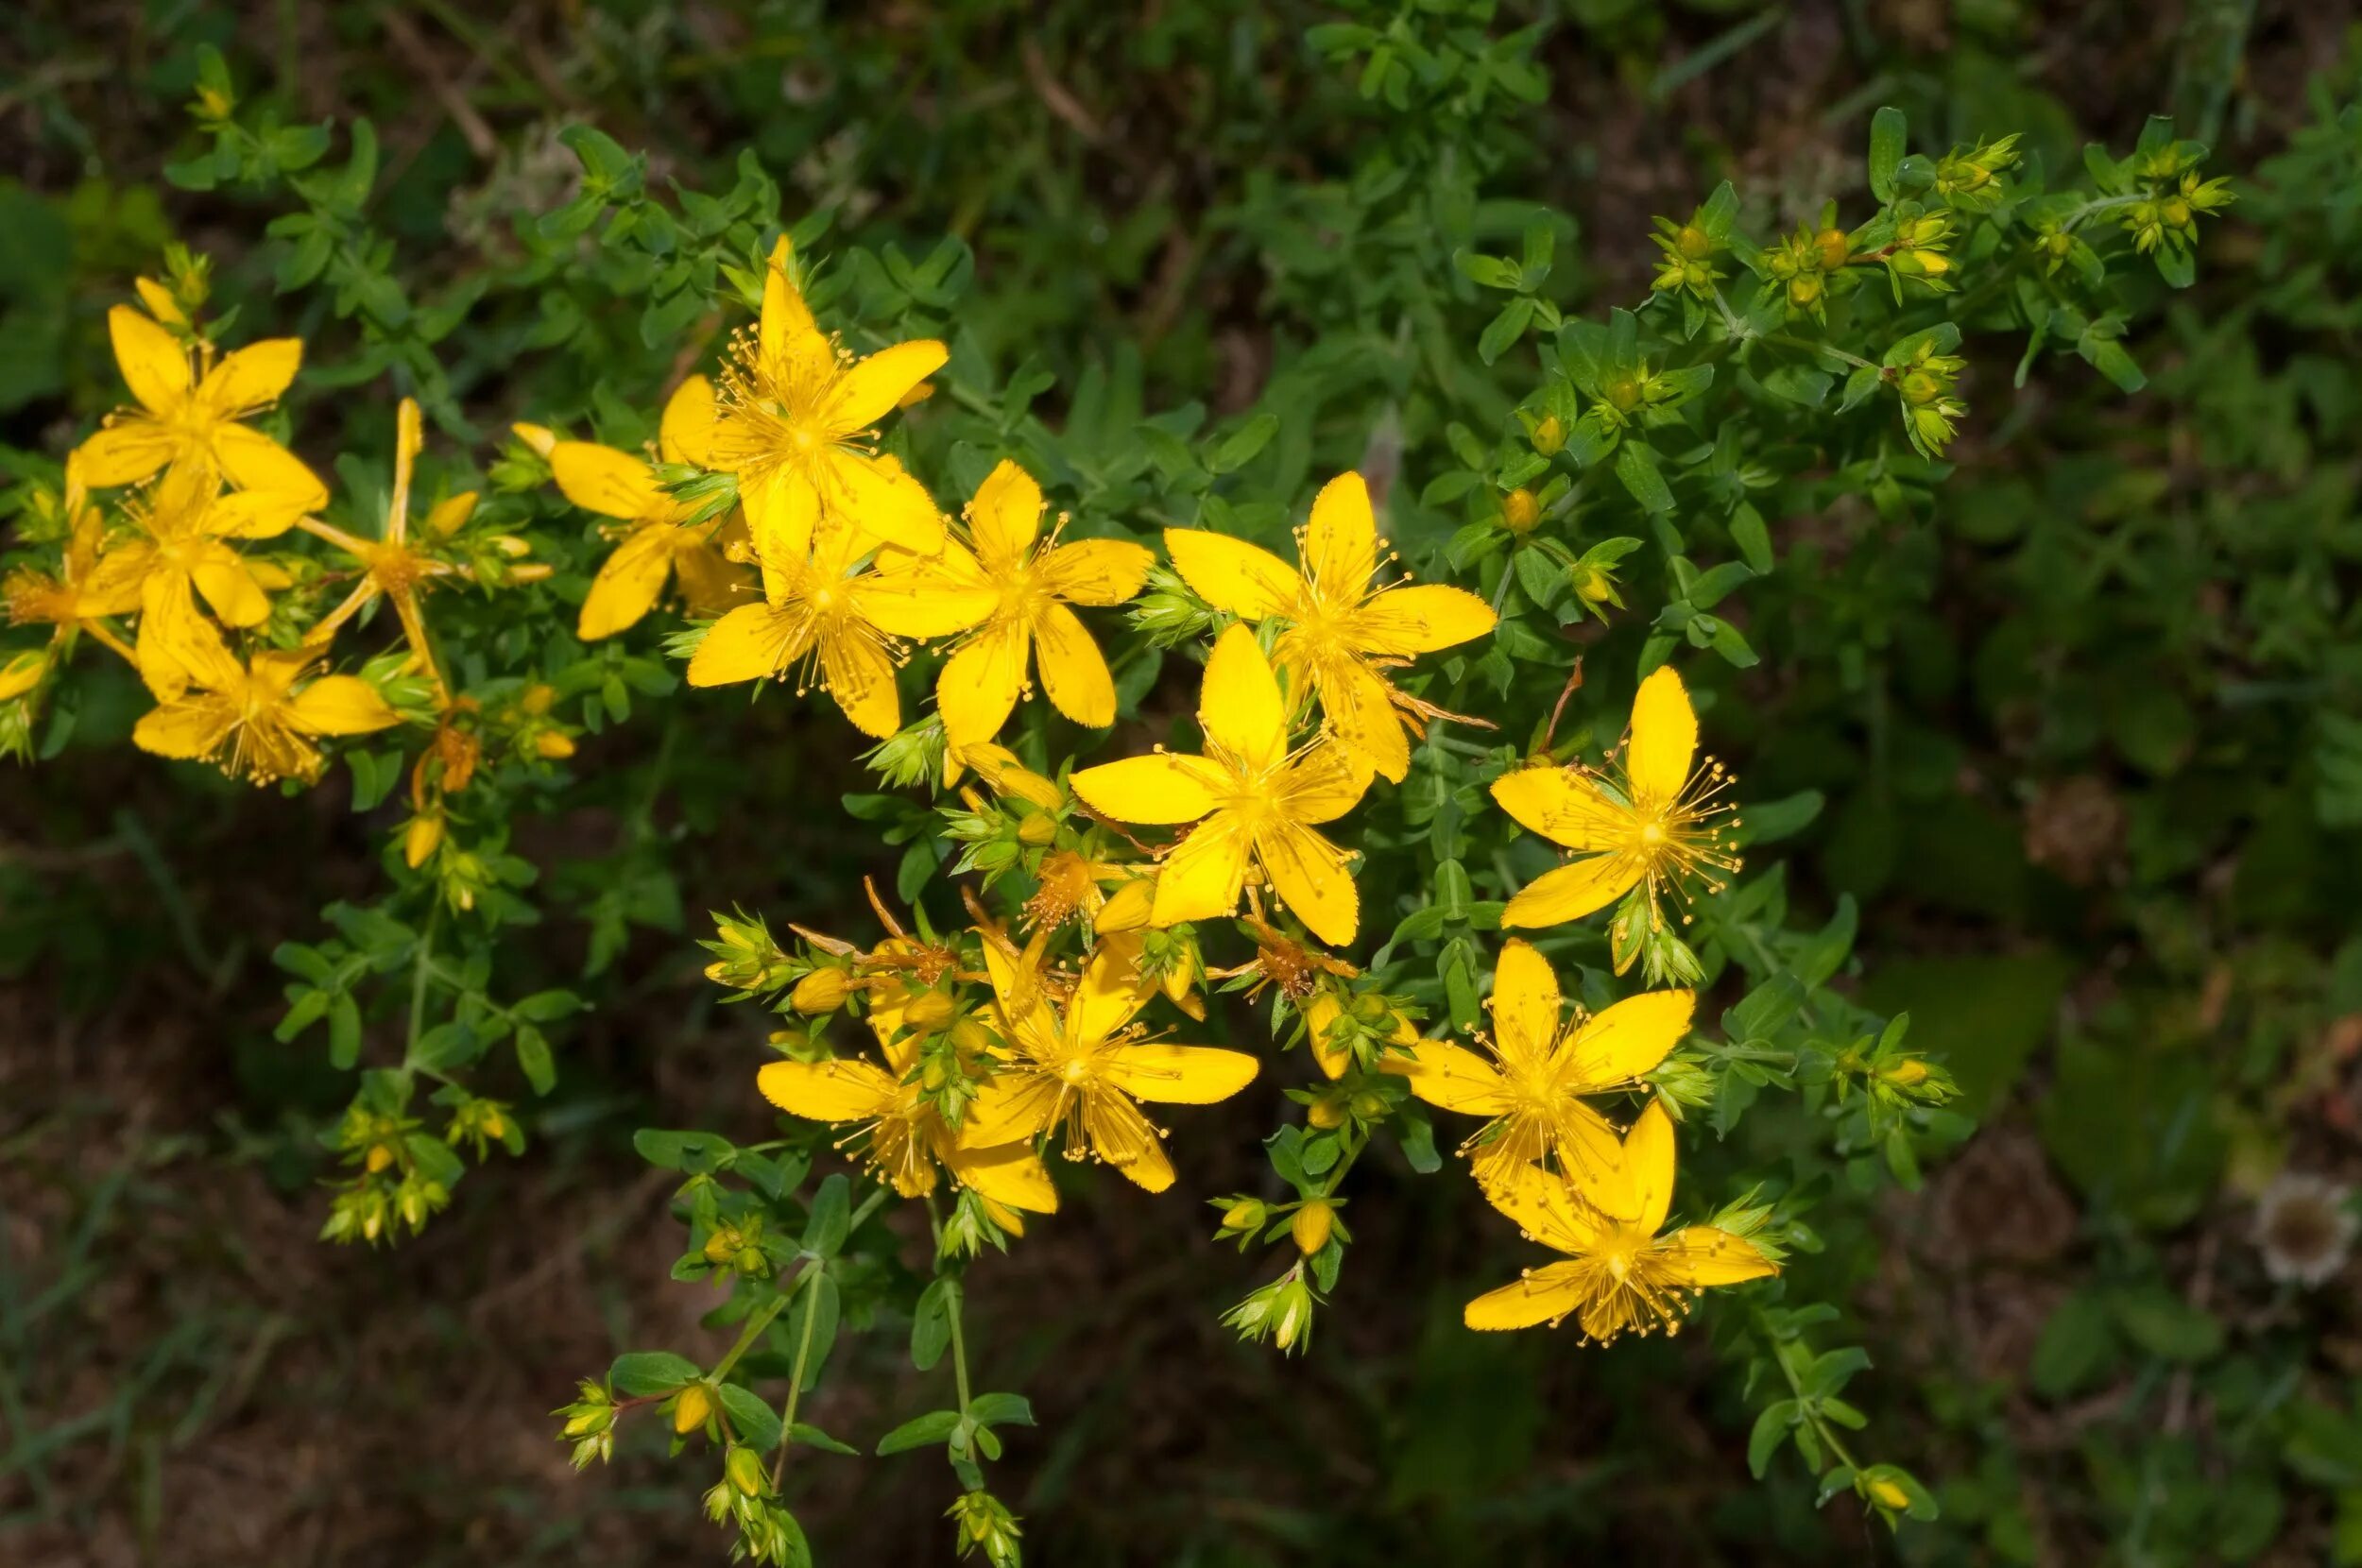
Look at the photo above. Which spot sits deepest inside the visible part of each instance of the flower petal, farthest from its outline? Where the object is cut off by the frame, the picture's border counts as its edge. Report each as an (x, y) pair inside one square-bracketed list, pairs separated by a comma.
[(786, 325), (1701, 1255), (1202, 880), (194, 727), (933, 596), (124, 452), (155, 366), (1525, 1003), (1096, 572), (869, 391), (1419, 620), (980, 683), (222, 577), (1009, 1173), (1571, 892), (1625, 1041), (782, 517), (1179, 1075), (252, 378), (1004, 518), (341, 705), (1239, 704), (877, 497), (840, 1090), (1664, 740), (1124, 1137), (1451, 1078), (1545, 1295), (1341, 543), (1323, 784), (1638, 1187), (859, 673), (1545, 1205), (685, 435), (1308, 876), (1014, 1107), (1072, 671), (1565, 807), (1155, 790), (628, 583), (1359, 707), (613, 484), (1231, 574), (255, 462), (752, 642)]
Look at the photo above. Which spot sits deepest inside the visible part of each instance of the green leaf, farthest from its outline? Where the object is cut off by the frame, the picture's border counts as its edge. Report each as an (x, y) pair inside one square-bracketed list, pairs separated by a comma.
[(751, 1418), (344, 1032), (1000, 1410), (1770, 1430), (1504, 330), (1888, 132), (931, 1323), (1635, 465), (640, 1373), (2167, 1325), (935, 1426), (1240, 446), (534, 1059), (812, 1437), (696, 1153), (832, 1208), (2076, 1345)]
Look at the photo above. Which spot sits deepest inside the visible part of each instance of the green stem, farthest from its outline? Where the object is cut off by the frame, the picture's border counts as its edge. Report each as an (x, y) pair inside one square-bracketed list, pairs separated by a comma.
[(419, 971), (756, 1324), (1805, 1407), (959, 1348), (795, 1390)]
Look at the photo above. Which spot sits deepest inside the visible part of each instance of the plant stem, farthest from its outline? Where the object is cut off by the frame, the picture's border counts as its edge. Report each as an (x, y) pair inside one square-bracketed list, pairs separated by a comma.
[(795, 1389), (419, 971), (959, 1347), (756, 1324)]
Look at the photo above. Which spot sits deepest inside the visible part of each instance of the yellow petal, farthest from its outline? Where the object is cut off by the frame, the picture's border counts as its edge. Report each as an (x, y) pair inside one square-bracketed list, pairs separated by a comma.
[(341, 705), (1008, 1173), (1323, 784), (613, 484), (124, 452), (1201, 880), (1638, 1186), (751, 642), (155, 366), (252, 515), (227, 587), (1096, 572), (1545, 1295), (1072, 672), (782, 517), (999, 769), (627, 584), (1231, 574), (859, 673), (1308, 876), (1341, 543), (1703, 1255), (537, 438), (1238, 705), (1359, 707), (1120, 1134), (1572, 892), (1453, 1078), (1155, 790), (193, 727), (877, 497), (252, 378), (1627, 1040), (1011, 1108), (1129, 906), (1004, 517), (1110, 993), (1664, 740), (1179, 1075), (710, 583), (843, 1090), (685, 435), (931, 597), (1525, 1003), (869, 391), (1565, 807), (255, 462), (980, 685), (20, 673), (1419, 620), (786, 327), (1545, 1205)]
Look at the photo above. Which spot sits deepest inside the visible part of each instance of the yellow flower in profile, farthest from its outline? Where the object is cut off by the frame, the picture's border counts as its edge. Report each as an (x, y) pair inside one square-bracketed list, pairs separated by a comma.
[(1619, 1275), (1342, 634), (1260, 802), (904, 1138), (252, 718), (1011, 591), (1532, 1091), (656, 545), (795, 427), (182, 418), (72, 601), (1649, 820), (184, 553), (817, 609), (1084, 1068)]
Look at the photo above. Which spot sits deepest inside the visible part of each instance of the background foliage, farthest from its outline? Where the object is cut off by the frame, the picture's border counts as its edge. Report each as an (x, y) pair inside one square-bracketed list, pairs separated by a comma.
[(2086, 722)]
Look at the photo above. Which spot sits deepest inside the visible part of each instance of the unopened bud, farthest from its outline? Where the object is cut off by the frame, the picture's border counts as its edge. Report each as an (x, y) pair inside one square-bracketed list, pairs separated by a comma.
[(1831, 248), (1245, 1215), (1549, 435), (538, 698), (1520, 511), (745, 1467), (1038, 829), (552, 746), (1908, 1073), (927, 1011), (691, 1408), (1887, 1496), (1311, 1226), (1325, 1114), (822, 991), (422, 839)]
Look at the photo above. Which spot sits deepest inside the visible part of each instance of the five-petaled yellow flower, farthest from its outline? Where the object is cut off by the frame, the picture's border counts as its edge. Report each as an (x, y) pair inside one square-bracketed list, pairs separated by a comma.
[(251, 719), (182, 418), (795, 427), (1649, 820), (184, 553), (1260, 802), (1342, 632), (1083, 1067), (906, 1137), (1011, 593), (1533, 1089), (1620, 1275), (656, 545), (817, 609)]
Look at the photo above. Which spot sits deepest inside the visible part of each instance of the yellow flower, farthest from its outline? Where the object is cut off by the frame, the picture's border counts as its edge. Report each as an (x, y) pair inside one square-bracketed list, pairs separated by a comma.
[(1341, 635), (1260, 801), (905, 1137), (817, 609), (1012, 591), (619, 484), (1620, 1275), (394, 568), (1648, 821), (795, 427), (1533, 1089), (251, 719), (184, 553), (73, 601), (182, 420), (1083, 1067)]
